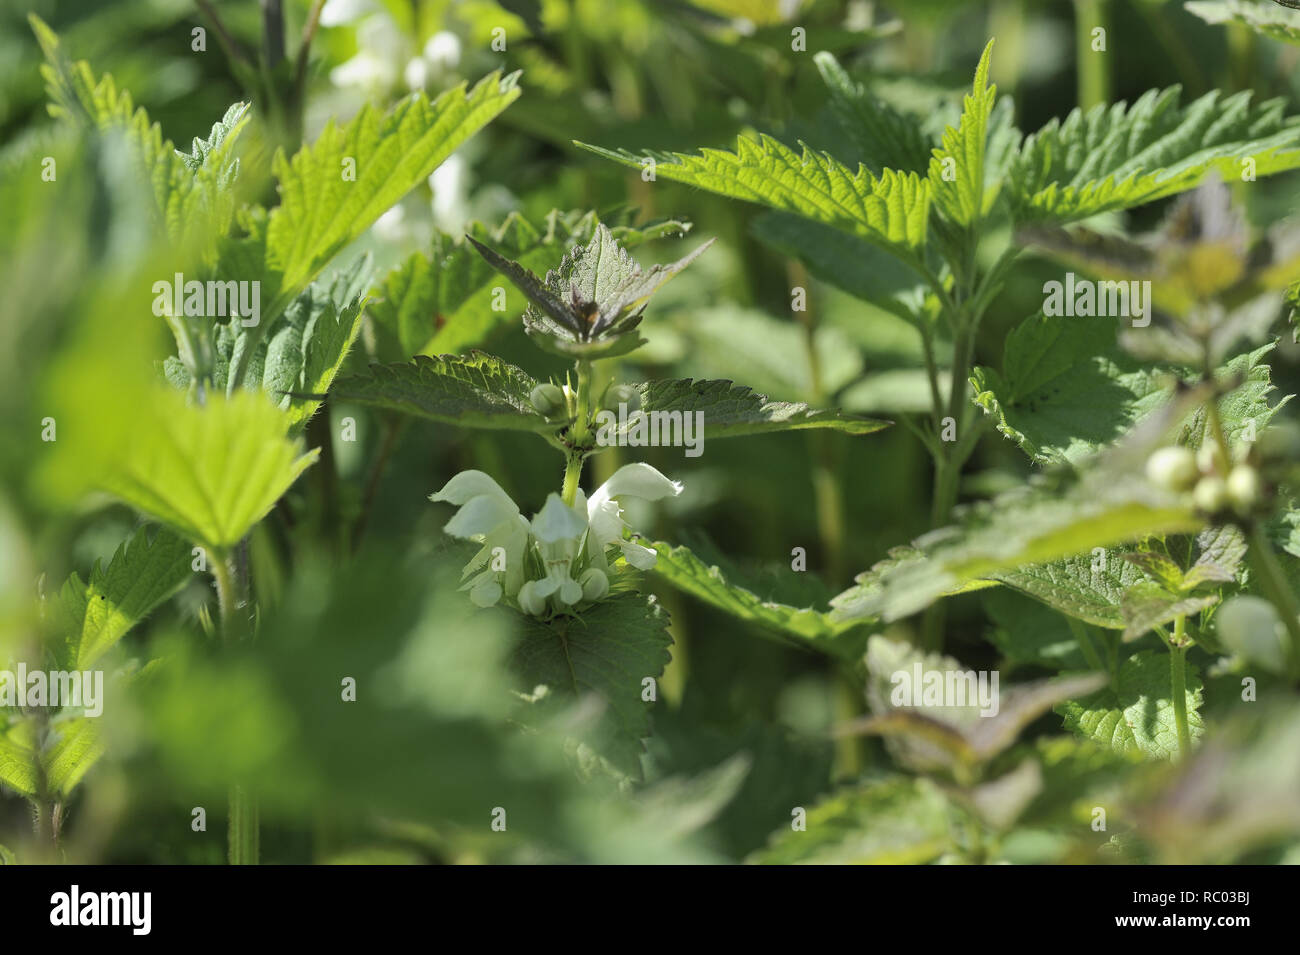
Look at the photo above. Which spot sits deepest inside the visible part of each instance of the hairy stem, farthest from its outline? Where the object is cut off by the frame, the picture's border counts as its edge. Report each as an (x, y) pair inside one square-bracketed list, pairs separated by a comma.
[(242, 834)]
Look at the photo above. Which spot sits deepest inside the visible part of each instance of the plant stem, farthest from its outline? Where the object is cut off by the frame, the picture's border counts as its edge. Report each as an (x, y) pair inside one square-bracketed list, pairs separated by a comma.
[(1094, 77), (1278, 591), (1178, 680), (242, 835), (572, 476), (578, 434)]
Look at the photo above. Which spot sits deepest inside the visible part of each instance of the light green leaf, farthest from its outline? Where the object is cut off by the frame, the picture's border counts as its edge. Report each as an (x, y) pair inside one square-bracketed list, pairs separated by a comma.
[(1087, 586), (605, 654), (474, 391), (896, 821), (1137, 713), (957, 175), (77, 746), (733, 410), (1270, 19), (1120, 156), (803, 626), (17, 760), (890, 210), (333, 190), (142, 575), (208, 472), (1147, 605)]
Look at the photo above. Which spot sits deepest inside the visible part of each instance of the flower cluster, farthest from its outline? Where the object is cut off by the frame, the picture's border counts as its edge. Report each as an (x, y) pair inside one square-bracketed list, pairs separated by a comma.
[(559, 560)]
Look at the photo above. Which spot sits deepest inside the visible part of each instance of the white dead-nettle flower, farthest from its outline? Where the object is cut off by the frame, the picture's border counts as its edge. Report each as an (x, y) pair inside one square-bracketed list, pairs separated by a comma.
[(450, 185), (442, 52), (381, 48), (558, 561), (337, 13)]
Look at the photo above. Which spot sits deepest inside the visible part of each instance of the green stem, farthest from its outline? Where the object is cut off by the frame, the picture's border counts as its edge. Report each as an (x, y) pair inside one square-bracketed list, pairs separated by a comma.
[(572, 476), (1178, 680), (242, 835), (579, 434), (1273, 581), (1094, 77)]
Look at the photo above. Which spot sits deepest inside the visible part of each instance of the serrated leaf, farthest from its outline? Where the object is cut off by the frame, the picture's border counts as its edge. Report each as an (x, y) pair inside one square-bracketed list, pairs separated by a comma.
[(803, 626), (77, 746), (17, 760), (1120, 156), (1137, 713), (476, 391), (732, 410), (141, 575), (322, 210), (194, 202), (603, 655), (897, 821), (1089, 587), (209, 472), (890, 210), (957, 175), (1067, 389), (884, 137)]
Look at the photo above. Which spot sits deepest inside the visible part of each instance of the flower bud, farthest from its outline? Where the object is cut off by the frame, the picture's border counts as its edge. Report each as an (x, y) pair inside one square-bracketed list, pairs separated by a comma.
[(1209, 459), (1211, 494), (1243, 489), (530, 601), (594, 584), (548, 399), (623, 395), (1173, 468)]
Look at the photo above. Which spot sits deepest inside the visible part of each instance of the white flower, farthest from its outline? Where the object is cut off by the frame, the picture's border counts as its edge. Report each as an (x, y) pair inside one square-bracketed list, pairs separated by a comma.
[(416, 74), (487, 514), (605, 517), (336, 13), (450, 185), (566, 544), (443, 51)]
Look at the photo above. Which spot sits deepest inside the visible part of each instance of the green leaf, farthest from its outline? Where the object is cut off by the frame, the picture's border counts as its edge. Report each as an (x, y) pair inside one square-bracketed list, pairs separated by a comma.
[(884, 137), (77, 746), (605, 654), (323, 209), (1037, 524), (210, 472), (1030, 633), (890, 210), (897, 821), (1148, 605), (1088, 586), (193, 195), (1067, 389), (957, 175), (1120, 156), (142, 575), (803, 626), (1269, 19), (475, 391), (1137, 713), (17, 761), (733, 410)]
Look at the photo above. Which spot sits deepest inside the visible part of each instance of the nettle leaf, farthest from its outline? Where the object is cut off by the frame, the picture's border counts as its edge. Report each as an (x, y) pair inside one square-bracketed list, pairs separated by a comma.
[(142, 575), (890, 210), (77, 746), (475, 391), (74, 745), (333, 190), (193, 193), (592, 299), (1137, 712), (17, 760), (301, 357), (1269, 19), (1089, 586), (1120, 156), (441, 303), (1048, 520), (732, 410), (1148, 605), (898, 821), (957, 175), (1030, 633), (802, 626), (883, 137), (209, 472), (601, 656), (1067, 390)]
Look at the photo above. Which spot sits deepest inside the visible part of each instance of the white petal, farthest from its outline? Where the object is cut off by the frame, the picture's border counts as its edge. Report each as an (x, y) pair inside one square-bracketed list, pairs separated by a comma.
[(482, 515), (530, 601), (468, 484), (570, 592), (594, 584), (443, 50), (605, 522), (557, 521), (637, 480), (642, 558), (486, 593)]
